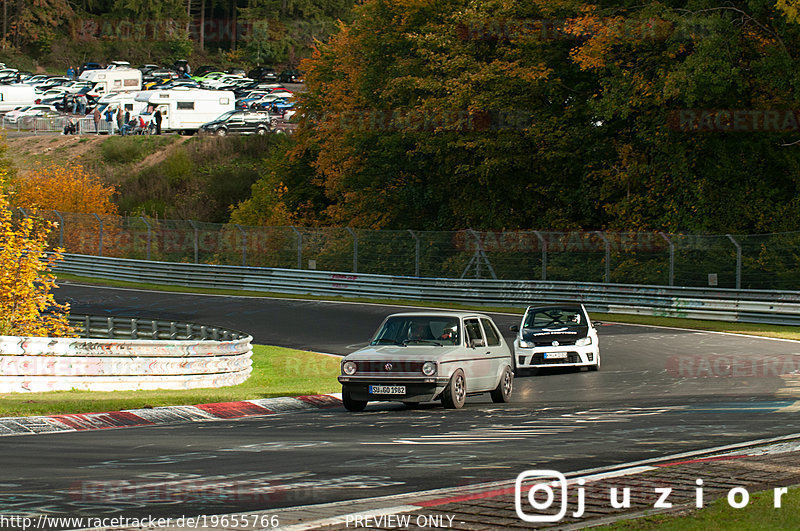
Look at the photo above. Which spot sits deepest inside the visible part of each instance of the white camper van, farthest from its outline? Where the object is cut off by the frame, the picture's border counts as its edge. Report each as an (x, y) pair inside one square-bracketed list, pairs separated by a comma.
[(113, 80), (185, 109), (17, 95)]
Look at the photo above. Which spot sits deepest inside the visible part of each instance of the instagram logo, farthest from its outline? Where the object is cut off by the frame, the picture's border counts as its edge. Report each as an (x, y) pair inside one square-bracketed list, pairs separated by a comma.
[(540, 486)]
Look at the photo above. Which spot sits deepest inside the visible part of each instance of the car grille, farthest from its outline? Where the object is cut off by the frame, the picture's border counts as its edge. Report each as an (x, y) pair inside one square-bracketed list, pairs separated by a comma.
[(550, 343), (572, 357), (396, 366)]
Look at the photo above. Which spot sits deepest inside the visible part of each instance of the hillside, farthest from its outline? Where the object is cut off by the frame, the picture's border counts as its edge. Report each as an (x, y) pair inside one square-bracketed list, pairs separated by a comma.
[(176, 177)]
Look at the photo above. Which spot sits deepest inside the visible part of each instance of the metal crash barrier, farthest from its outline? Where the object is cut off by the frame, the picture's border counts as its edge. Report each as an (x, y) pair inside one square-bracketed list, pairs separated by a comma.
[(770, 307)]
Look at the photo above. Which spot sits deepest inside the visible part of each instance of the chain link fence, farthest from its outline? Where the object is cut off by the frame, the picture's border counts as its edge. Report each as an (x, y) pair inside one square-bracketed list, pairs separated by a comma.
[(765, 261)]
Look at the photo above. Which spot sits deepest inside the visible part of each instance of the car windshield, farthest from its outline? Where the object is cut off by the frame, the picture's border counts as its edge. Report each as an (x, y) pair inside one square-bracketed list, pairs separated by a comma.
[(554, 318), (424, 329), (225, 116)]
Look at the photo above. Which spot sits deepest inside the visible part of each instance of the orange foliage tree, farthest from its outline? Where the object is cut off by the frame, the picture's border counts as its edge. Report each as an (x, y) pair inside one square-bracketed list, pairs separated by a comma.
[(27, 306), (67, 188)]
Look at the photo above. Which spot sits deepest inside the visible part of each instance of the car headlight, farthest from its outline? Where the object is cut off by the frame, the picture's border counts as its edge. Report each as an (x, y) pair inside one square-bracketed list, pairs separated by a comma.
[(429, 368), (349, 368), (583, 342), (525, 344)]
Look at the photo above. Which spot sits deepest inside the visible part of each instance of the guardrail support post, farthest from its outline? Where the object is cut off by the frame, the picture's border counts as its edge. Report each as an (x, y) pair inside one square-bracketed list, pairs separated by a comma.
[(148, 236), (299, 247), (671, 258), (416, 252), (738, 261), (244, 243), (196, 237), (60, 229), (608, 256), (543, 243), (100, 239), (355, 249)]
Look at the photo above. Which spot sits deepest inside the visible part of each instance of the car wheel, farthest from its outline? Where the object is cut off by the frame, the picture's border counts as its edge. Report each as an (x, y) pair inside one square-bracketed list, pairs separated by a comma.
[(456, 391), (261, 131), (502, 393), (222, 132), (350, 404)]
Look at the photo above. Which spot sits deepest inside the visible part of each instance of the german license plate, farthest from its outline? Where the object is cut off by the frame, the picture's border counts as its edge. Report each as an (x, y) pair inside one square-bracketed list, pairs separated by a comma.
[(387, 389), (555, 355)]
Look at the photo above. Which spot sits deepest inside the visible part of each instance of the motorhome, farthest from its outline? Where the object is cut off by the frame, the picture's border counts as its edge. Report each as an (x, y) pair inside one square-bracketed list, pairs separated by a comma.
[(113, 80), (185, 109), (13, 96)]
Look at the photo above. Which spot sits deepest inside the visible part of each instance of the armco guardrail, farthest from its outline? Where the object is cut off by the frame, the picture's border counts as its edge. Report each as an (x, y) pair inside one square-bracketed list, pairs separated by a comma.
[(125, 354), (774, 307)]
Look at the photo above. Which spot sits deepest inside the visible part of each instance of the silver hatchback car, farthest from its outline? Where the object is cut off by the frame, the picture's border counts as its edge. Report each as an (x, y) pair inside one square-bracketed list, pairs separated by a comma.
[(423, 356)]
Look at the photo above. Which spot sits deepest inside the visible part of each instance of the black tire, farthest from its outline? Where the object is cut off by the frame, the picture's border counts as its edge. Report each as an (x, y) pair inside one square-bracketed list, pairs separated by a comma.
[(455, 393), (222, 131), (261, 131), (502, 393), (350, 404)]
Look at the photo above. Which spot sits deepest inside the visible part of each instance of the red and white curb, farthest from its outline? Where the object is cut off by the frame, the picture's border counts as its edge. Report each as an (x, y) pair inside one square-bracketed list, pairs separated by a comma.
[(165, 415)]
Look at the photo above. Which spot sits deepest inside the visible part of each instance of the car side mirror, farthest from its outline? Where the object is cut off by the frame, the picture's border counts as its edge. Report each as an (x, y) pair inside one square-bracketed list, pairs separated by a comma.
[(597, 323), (514, 328), (477, 343)]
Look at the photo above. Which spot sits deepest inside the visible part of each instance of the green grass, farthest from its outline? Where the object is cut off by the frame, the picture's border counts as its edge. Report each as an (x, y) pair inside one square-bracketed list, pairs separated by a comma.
[(128, 149), (758, 514), (276, 372), (776, 331)]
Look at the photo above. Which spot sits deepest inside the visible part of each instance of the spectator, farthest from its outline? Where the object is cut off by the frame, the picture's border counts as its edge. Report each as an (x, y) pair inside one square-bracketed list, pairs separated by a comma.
[(71, 73), (120, 121), (110, 119), (74, 104), (71, 128), (157, 119), (64, 103), (96, 117), (82, 102)]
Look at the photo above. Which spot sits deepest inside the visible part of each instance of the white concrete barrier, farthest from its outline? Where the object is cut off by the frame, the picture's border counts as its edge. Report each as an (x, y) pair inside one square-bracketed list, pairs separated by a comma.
[(31, 364)]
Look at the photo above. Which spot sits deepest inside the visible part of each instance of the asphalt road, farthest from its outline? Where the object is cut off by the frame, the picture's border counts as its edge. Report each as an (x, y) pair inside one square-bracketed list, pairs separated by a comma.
[(659, 391)]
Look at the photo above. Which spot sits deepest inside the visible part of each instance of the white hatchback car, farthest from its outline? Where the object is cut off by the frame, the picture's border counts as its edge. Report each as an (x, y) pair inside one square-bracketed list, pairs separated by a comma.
[(424, 356), (560, 335)]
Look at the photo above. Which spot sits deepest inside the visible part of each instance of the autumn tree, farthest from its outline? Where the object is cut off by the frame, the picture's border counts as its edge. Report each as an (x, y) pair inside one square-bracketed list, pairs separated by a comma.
[(67, 188), (27, 306)]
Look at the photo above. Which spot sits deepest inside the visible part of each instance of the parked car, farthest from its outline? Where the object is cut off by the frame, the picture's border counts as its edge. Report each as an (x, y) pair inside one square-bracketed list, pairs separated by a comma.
[(423, 356), (560, 335), (34, 110), (263, 73), (291, 76), (239, 122), (89, 66), (205, 69)]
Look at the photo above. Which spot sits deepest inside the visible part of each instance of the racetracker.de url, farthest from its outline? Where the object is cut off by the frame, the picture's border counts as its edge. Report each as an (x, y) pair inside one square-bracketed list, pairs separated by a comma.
[(229, 521)]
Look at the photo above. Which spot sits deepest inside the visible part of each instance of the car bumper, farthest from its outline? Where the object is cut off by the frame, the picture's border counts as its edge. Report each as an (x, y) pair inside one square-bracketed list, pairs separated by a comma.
[(417, 389), (529, 358)]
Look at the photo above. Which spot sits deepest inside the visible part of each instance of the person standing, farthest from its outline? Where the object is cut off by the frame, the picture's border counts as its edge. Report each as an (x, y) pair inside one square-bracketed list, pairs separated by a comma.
[(71, 73), (110, 120), (96, 117), (120, 121), (157, 118)]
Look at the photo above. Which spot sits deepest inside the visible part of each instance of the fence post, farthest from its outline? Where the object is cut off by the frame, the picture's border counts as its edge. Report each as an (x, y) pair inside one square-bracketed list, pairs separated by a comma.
[(100, 241), (148, 236), (244, 243), (671, 258), (60, 229), (196, 253), (478, 258), (608, 256), (543, 243), (738, 261), (355, 249), (416, 252), (299, 247)]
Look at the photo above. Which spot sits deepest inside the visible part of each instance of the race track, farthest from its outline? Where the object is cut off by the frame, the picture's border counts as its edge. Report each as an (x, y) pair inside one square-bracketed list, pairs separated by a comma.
[(660, 391)]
